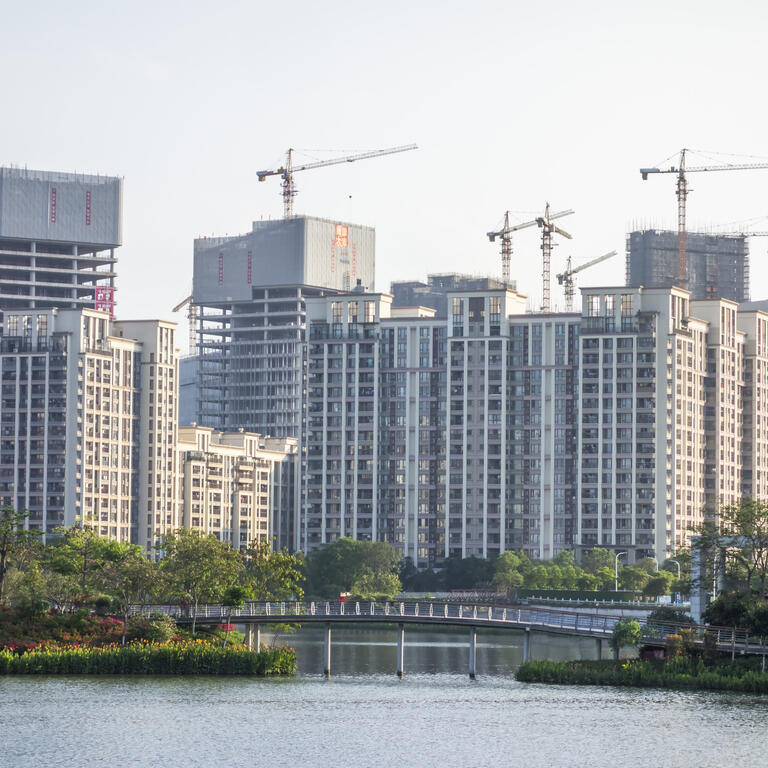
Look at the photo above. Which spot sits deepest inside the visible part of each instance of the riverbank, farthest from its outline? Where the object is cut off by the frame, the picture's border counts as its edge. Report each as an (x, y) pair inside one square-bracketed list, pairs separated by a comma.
[(174, 658), (679, 674)]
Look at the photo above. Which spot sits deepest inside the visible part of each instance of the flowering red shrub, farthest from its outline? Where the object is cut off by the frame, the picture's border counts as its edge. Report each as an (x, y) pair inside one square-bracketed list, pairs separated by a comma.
[(21, 632)]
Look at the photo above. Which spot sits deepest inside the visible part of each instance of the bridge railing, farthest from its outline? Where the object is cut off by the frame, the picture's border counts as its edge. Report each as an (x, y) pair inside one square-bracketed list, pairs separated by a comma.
[(594, 625), (471, 614)]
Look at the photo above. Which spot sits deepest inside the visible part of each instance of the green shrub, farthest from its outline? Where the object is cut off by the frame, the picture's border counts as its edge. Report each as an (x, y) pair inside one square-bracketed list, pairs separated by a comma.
[(670, 615), (582, 595), (186, 658), (682, 672)]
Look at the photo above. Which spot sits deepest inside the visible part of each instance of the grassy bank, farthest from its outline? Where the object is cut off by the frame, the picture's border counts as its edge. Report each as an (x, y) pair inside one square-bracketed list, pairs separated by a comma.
[(174, 658), (684, 674)]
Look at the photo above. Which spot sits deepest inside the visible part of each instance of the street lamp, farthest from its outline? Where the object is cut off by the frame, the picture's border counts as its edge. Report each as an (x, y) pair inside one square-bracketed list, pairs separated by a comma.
[(616, 570), (672, 560)]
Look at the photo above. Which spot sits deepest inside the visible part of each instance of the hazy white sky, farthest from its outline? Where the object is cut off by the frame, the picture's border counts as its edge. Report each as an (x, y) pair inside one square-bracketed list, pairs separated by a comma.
[(512, 104)]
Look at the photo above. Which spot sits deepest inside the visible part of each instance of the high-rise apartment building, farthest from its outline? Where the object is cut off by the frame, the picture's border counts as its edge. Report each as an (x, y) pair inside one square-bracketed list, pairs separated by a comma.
[(250, 292), (446, 436), (237, 486), (158, 388), (76, 421), (58, 234), (670, 424), (490, 428), (754, 445), (717, 266)]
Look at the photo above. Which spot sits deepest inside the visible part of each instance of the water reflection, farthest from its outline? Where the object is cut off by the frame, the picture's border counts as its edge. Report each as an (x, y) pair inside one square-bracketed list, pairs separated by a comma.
[(366, 650)]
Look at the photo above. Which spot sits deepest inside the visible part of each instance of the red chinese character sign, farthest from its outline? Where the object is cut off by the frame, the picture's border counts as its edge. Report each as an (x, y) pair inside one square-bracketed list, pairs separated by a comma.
[(341, 238), (104, 299)]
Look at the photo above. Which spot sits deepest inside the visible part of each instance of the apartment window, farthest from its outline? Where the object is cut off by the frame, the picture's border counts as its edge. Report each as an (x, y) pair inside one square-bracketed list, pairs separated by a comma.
[(336, 311), (626, 304), (593, 306), (610, 305), (370, 311)]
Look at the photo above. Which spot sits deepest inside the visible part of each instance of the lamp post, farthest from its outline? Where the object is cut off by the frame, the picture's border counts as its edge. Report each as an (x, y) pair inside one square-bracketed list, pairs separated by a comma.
[(616, 570), (672, 560)]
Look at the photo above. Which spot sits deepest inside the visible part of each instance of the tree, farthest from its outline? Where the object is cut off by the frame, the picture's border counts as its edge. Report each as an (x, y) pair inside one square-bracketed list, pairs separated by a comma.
[(730, 609), (606, 577), (659, 585), (61, 590), (234, 597), (625, 632), (198, 568), (273, 575), (419, 581), (587, 581), (597, 558), (13, 538), (537, 577), (130, 579), (506, 574), (564, 558), (81, 552), (633, 577), (335, 567), (571, 575), (376, 586), (647, 564), (746, 525)]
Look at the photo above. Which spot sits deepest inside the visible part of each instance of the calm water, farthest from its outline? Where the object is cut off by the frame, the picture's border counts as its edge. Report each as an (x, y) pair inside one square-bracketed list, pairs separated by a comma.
[(364, 716)]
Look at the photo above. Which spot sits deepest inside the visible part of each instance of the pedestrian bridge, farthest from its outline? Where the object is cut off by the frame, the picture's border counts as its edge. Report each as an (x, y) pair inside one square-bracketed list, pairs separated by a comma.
[(472, 616)]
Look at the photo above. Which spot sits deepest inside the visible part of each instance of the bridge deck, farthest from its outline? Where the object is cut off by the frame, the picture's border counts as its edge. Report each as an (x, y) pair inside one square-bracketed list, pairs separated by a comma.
[(451, 614)]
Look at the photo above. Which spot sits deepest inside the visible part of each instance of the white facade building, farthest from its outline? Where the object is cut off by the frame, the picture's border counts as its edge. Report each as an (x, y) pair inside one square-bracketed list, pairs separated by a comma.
[(75, 420), (237, 486)]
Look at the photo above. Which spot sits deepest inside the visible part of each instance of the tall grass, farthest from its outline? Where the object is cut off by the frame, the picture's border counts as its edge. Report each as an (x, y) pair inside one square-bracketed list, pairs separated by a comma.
[(173, 658)]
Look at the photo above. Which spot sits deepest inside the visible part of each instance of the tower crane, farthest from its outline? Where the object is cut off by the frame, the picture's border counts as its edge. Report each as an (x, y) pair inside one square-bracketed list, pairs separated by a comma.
[(566, 278), (287, 170), (547, 230), (506, 240), (192, 315), (682, 195), (505, 233)]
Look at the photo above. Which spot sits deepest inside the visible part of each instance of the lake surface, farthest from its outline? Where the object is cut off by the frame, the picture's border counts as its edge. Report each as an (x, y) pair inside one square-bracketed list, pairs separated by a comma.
[(365, 716)]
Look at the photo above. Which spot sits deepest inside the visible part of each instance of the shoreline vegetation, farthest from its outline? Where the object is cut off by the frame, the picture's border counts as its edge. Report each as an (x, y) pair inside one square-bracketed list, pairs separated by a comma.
[(678, 674), (193, 657)]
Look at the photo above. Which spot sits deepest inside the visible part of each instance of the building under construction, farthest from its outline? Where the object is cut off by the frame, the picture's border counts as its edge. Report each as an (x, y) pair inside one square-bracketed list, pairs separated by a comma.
[(717, 265), (58, 235), (249, 292)]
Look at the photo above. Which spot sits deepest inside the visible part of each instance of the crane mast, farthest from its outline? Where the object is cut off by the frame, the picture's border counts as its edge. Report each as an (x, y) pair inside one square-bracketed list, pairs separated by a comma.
[(506, 240), (682, 196), (566, 278), (192, 315), (289, 169), (547, 230), (506, 250)]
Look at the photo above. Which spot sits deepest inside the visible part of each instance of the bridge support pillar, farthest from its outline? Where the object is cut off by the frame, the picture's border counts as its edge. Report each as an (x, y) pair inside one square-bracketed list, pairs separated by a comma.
[(599, 647), (327, 650), (527, 645), (472, 652), (256, 635), (249, 636), (400, 649)]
